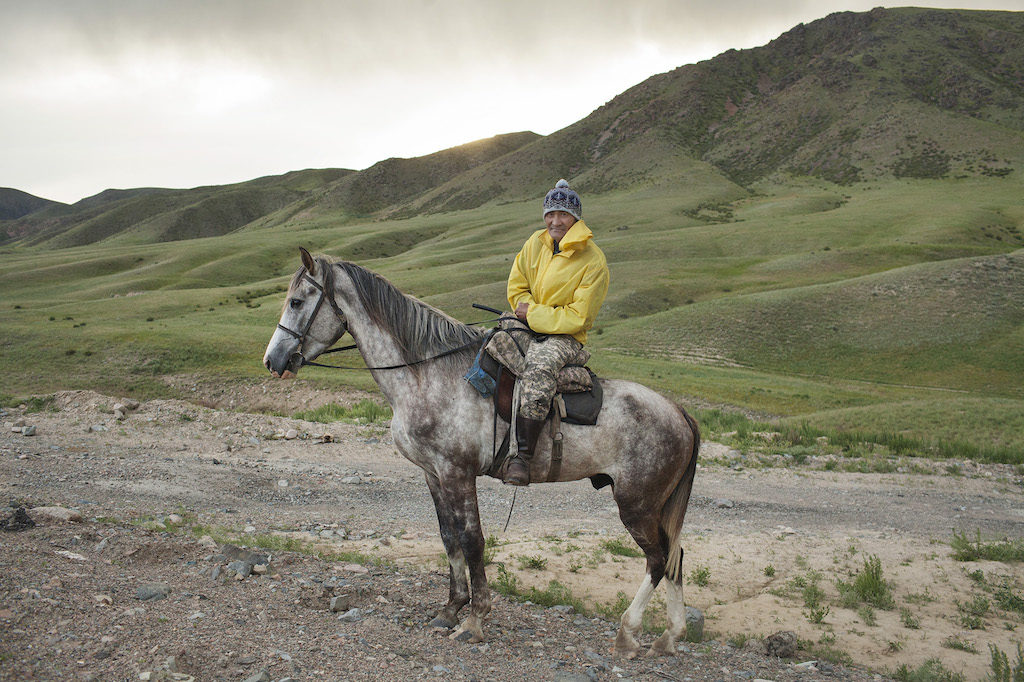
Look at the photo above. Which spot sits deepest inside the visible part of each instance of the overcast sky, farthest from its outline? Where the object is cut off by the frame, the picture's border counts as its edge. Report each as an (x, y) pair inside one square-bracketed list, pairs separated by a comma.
[(179, 93)]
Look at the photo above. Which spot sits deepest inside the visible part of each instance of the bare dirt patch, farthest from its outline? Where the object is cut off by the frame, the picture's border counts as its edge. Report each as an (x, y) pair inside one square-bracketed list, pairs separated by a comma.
[(150, 485)]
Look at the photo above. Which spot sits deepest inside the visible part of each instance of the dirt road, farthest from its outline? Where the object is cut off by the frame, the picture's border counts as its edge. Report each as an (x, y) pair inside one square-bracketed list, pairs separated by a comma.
[(149, 484)]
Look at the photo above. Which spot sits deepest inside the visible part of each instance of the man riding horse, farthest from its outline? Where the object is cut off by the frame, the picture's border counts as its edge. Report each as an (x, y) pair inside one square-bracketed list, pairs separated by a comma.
[(556, 286)]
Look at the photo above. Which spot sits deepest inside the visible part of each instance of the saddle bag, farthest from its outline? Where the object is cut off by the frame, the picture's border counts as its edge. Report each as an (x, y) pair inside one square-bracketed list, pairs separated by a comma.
[(477, 376)]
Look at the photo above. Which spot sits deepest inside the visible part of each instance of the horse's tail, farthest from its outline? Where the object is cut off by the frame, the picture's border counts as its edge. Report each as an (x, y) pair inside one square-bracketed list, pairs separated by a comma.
[(674, 511)]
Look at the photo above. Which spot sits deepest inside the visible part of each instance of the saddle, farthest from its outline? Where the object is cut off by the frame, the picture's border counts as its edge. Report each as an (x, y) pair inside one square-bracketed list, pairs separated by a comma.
[(494, 372), (502, 359)]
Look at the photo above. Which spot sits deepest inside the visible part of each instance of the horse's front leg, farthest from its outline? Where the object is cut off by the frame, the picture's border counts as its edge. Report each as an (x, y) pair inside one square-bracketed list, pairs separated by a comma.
[(460, 491), (458, 586)]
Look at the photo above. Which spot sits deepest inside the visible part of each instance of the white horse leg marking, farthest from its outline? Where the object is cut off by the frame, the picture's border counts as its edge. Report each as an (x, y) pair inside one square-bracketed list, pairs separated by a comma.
[(632, 619), (676, 611)]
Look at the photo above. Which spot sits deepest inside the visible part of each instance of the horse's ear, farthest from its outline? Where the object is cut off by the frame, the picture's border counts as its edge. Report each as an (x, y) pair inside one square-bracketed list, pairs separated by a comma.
[(307, 261)]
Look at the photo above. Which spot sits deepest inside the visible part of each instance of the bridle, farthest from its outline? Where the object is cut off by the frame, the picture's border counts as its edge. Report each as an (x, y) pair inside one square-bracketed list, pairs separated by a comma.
[(326, 292), (322, 295)]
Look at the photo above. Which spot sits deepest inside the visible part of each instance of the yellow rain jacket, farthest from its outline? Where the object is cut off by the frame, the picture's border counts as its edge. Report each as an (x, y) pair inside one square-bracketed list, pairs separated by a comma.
[(564, 290)]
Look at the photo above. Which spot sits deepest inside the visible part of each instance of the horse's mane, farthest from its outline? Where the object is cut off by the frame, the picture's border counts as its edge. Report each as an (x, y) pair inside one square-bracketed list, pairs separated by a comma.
[(420, 330)]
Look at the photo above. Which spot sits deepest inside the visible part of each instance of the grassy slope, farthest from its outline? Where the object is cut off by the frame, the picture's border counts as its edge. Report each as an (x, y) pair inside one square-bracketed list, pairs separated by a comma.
[(741, 275), (893, 307)]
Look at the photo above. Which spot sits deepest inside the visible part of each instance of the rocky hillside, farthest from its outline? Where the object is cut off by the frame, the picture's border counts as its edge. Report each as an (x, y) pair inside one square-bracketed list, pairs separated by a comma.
[(853, 97)]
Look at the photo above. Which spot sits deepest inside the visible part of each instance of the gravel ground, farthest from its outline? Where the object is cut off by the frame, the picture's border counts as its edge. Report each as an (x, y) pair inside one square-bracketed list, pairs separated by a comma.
[(75, 595)]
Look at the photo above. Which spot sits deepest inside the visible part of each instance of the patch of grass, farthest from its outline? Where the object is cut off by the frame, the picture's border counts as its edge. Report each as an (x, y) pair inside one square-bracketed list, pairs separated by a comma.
[(973, 612), (46, 403), (925, 597), (909, 620), (737, 641), (1007, 599), (364, 412), (965, 549), (931, 670), (959, 644), (621, 547), (509, 585), (826, 652), (867, 616), (615, 609)]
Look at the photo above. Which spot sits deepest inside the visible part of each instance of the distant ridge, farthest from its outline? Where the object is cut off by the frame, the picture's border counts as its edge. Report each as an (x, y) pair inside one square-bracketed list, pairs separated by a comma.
[(850, 98), (16, 204)]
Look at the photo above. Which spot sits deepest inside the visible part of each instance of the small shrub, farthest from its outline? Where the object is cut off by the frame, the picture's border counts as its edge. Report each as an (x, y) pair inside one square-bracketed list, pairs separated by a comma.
[(490, 545), (533, 563), (977, 576), (700, 576), (1000, 666), (931, 670), (817, 614), (769, 571), (871, 587), (964, 549)]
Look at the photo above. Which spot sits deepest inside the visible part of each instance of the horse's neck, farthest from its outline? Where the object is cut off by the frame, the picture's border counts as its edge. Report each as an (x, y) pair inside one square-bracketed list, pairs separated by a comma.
[(379, 348)]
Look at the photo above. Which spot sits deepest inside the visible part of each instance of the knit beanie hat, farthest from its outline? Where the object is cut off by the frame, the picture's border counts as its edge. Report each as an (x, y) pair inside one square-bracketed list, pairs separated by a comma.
[(561, 198)]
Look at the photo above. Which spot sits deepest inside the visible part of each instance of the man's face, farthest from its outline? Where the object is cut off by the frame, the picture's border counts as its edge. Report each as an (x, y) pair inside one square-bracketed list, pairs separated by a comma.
[(558, 223)]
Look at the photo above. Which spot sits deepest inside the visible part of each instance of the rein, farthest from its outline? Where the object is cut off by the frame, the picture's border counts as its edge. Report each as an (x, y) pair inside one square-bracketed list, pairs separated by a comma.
[(370, 369)]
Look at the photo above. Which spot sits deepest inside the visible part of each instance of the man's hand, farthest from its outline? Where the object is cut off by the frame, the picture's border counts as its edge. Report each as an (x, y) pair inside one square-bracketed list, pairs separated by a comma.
[(521, 310)]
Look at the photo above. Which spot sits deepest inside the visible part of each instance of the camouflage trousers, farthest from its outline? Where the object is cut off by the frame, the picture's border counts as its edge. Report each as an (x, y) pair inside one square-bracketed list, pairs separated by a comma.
[(544, 358)]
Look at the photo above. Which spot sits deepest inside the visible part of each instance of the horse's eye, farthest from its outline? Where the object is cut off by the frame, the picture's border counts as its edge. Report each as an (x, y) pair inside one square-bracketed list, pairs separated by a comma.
[(295, 303)]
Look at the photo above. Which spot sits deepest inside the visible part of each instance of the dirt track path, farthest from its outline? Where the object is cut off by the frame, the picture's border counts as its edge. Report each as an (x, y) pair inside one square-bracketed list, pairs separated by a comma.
[(754, 534)]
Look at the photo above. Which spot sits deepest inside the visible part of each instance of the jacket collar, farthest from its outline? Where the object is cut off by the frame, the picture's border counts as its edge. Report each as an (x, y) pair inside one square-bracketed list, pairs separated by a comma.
[(575, 239)]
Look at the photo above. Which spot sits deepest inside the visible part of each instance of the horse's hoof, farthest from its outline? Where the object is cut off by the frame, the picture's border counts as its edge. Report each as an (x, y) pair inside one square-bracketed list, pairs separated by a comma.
[(663, 646), (626, 646), (470, 631), (465, 636), (441, 622), (660, 650)]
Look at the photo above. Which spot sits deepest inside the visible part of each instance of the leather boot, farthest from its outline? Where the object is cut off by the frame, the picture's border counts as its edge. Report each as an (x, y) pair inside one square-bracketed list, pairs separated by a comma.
[(527, 433)]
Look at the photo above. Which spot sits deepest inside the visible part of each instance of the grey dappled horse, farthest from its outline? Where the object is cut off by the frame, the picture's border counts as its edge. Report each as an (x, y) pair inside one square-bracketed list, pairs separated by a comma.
[(644, 446)]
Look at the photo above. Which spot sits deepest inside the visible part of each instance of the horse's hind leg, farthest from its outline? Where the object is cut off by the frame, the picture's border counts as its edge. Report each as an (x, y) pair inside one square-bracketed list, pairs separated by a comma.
[(644, 529), (676, 610), (458, 586)]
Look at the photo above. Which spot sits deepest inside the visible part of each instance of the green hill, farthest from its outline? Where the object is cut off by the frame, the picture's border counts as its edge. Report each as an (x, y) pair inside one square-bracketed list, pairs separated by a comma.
[(16, 204), (826, 230)]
